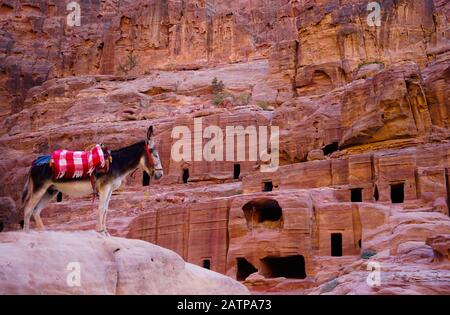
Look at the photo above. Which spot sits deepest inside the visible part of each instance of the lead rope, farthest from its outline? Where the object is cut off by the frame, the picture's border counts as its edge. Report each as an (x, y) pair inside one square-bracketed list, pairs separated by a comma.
[(149, 156)]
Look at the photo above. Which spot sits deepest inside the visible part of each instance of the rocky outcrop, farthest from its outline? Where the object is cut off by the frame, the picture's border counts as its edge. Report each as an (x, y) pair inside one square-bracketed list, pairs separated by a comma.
[(417, 267), (86, 263), (440, 245), (38, 44), (315, 47)]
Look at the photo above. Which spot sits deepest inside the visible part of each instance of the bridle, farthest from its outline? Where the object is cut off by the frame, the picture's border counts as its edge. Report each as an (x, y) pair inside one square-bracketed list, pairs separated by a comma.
[(149, 151)]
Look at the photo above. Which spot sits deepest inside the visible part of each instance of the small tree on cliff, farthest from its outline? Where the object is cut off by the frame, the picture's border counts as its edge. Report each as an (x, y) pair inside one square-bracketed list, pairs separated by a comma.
[(219, 92), (217, 86), (130, 64)]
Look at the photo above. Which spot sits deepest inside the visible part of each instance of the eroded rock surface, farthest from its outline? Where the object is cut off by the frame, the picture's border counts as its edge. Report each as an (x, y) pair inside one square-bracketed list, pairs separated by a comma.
[(87, 263)]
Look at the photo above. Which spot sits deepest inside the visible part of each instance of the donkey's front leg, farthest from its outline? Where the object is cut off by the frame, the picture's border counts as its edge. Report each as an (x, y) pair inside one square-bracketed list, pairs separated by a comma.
[(108, 198), (102, 209)]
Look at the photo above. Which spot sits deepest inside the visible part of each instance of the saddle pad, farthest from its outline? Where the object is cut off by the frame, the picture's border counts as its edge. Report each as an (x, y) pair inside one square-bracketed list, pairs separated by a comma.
[(76, 164)]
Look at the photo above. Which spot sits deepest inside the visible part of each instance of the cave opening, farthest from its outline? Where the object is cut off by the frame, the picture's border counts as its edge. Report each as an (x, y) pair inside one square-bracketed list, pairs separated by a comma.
[(263, 212), (292, 267), (185, 175), (21, 224), (244, 269), (59, 197), (267, 186), (207, 263), (145, 179), (398, 193), (330, 148), (2, 226), (376, 194), (336, 244), (356, 194), (236, 171)]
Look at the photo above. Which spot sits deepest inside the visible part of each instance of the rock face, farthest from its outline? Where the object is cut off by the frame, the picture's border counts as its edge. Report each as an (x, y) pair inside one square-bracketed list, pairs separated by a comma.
[(363, 114), (86, 263)]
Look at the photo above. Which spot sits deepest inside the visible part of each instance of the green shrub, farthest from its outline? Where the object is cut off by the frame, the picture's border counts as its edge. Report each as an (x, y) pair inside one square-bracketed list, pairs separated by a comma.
[(129, 64), (217, 86), (220, 97), (219, 92), (263, 104), (329, 286), (244, 98), (367, 253), (237, 192)]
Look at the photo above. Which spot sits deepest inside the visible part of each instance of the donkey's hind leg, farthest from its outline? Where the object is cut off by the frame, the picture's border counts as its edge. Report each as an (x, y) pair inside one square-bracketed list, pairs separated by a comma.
[(103, 193), (31, 204), (48, 196)]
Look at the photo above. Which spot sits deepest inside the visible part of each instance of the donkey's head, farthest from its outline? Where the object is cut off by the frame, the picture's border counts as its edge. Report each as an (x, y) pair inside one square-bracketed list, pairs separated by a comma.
[(150, 162)]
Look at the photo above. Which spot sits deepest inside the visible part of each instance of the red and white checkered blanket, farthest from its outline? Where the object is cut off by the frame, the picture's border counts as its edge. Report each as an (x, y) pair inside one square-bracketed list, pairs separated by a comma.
[(76, 164)]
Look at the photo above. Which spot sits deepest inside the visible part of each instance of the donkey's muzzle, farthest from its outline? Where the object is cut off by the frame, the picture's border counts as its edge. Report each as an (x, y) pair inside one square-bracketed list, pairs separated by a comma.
[(158, 174)]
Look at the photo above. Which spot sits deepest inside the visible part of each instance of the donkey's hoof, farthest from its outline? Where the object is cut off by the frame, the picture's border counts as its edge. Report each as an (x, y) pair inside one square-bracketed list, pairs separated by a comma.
[(104, 233)]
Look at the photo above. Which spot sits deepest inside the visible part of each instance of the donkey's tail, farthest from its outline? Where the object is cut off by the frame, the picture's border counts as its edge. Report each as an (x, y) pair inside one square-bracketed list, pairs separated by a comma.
[(27, 188)]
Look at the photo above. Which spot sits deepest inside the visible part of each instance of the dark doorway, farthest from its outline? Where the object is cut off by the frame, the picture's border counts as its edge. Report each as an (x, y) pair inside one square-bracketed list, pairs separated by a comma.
[(289, 267), (145, 179), (59, 197), (21, 224), (398, 193), (330, 148), (376, 194), (336, 244), (259, 211), (356, 194), (185, 175), (207, 263), (236, 171), (2, 226), (244, 269), (267, 186), (359, 244)]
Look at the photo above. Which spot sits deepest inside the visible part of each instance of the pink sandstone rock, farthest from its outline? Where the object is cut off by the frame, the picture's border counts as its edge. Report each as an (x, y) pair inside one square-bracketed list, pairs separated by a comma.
[(41, 263)]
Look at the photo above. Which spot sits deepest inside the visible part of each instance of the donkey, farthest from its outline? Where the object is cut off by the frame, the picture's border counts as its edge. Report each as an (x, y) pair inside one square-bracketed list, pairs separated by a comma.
[(41, 187)]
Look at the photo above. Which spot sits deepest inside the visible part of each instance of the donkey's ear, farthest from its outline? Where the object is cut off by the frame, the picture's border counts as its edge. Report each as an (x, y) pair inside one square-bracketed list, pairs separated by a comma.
[(150, 132)]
